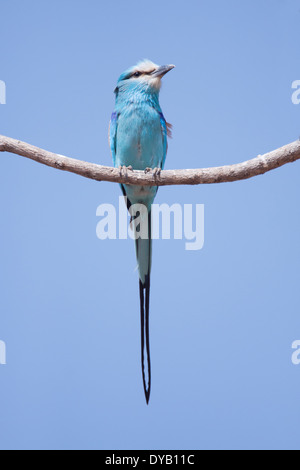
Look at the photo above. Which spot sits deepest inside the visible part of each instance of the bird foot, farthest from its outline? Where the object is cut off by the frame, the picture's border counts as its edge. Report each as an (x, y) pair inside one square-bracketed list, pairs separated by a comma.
[(124, 170), (156, 172)]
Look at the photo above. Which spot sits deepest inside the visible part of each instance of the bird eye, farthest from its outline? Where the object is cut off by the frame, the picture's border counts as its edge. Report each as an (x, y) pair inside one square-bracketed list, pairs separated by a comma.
[(137, 74)]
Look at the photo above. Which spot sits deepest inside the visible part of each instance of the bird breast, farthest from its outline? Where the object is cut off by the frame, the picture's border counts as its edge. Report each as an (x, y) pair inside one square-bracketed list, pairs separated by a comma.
[(139, 138)]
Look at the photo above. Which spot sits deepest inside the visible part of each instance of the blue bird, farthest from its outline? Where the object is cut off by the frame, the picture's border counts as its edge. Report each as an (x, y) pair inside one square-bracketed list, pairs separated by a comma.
[(138, 140)]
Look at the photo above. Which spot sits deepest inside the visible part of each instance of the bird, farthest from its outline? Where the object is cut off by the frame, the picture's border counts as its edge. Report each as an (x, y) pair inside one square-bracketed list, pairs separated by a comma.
[(138, 134)]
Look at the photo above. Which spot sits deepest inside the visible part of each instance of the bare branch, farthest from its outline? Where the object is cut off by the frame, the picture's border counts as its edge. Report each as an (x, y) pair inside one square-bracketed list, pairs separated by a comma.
[(224, 174)]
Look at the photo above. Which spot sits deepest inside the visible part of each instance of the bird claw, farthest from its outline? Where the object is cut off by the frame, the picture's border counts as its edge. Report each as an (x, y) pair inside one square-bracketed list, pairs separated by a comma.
[(147, 170), (156, 172)]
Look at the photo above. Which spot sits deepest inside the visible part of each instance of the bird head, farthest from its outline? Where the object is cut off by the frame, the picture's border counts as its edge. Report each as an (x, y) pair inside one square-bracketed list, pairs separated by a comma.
[(143, 77)]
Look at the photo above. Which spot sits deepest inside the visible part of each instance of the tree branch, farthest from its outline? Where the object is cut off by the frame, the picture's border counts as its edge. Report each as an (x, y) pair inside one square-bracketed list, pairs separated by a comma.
[(224, 174)]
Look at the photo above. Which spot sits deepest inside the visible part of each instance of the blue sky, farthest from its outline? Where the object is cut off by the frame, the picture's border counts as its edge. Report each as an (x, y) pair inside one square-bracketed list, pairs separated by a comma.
[(223, 319)]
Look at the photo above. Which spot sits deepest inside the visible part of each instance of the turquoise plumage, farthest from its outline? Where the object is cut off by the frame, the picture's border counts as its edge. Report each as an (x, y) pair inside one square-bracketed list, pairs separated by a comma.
[(138, 139)]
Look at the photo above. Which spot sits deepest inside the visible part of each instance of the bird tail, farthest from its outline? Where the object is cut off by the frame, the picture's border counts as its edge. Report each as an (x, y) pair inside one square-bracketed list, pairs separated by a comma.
[(144, 254)]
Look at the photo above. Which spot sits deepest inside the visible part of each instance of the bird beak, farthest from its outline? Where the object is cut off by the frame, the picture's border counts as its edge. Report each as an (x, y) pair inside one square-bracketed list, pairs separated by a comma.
[(162, 70)]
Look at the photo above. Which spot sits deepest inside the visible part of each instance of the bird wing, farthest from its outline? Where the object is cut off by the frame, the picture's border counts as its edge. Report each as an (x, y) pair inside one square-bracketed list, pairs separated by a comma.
[(166, 130), (112, 135)]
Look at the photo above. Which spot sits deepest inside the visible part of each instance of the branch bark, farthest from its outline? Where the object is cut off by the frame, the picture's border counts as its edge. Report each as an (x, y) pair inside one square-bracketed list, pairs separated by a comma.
[(224, 174)]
